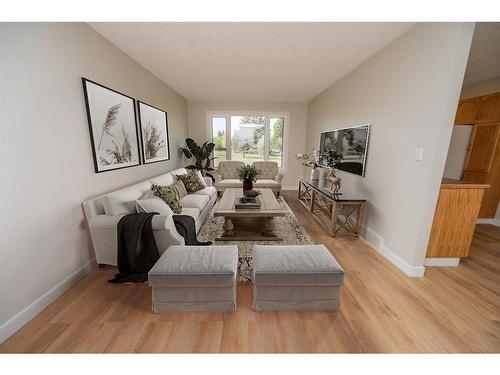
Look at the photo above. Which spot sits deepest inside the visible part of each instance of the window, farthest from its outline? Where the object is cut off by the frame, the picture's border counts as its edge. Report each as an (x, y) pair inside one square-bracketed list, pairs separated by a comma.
[(219, 138), (248, 137)]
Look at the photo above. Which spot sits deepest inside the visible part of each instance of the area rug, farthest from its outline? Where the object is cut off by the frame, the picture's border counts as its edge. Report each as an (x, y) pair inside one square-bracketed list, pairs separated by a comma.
[(287, 226)]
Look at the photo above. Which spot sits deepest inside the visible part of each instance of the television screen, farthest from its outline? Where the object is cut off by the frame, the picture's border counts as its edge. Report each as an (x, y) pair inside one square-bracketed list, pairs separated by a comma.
[(351, 143)]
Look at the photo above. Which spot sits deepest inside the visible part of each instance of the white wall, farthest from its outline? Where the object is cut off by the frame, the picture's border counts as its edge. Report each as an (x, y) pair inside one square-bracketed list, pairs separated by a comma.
[(457, 152), (489, 86), (46, 160), (198, 127), (409, 93)]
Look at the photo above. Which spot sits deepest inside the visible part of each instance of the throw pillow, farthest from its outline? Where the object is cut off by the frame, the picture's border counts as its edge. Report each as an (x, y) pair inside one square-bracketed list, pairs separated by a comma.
[(151, 203), (191, 181), (179, 188), (169, 196)]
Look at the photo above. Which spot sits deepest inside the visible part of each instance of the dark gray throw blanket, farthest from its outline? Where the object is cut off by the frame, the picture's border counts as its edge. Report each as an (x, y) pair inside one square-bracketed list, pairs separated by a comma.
[(136, 251), (186, 227), (136, 247)]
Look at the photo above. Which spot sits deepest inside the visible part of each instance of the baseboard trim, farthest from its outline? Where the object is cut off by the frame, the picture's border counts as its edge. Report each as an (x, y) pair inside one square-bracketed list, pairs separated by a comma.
[(495, 222), (20, 319), (376, 241), (441, 262)]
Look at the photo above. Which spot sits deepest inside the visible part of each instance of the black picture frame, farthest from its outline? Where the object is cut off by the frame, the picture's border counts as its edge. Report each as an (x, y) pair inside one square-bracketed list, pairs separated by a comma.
[(99, 166), (141, 126), (358, 166)]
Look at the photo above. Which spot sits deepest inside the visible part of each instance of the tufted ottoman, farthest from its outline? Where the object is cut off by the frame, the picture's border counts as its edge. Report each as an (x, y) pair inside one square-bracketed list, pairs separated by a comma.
[(296, 278), (195, 279)]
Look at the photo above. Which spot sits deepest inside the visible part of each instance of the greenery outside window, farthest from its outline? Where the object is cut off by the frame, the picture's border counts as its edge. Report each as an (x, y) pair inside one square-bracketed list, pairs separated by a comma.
[(248, 137)]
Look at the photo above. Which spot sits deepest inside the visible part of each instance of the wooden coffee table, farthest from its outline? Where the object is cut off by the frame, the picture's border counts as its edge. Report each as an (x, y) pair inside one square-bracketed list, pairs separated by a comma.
[(249, 224)]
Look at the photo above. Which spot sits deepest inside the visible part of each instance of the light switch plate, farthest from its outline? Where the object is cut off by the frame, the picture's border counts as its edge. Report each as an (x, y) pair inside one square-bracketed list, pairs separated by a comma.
[(419, 153)]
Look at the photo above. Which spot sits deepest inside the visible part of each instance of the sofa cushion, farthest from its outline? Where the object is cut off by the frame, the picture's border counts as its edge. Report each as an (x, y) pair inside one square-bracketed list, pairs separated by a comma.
[(169, 196), (193, 212), (175, 172), (194, 201), (202, 180), (123, 201), (196, 265), (151, 203), (191, 181), (163, 180), (209, 191), (229, 183), (229, 169), (268, 169)]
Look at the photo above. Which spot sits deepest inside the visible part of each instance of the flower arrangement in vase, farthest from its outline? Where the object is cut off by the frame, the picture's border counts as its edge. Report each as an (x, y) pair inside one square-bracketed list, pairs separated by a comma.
[(312, 160)]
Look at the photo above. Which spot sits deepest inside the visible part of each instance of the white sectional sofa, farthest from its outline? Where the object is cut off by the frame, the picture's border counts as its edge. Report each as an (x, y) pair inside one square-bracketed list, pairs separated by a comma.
[(103, 213), (227, 175)]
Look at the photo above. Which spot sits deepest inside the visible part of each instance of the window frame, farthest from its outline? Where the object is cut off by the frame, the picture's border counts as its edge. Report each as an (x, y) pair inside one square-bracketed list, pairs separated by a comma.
[(268, 115)]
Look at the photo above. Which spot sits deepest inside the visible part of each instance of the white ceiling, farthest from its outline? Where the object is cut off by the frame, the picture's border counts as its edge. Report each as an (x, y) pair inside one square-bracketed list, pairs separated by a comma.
[(250, 61), (484, 56)]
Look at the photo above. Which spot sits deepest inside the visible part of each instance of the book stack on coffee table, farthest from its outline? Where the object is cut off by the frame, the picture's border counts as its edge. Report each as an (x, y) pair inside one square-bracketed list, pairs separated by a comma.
[(246, 202)]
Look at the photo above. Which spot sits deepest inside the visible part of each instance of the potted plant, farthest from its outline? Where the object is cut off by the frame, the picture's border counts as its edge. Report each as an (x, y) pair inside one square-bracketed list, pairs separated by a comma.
[(202, 155), (248, 175)]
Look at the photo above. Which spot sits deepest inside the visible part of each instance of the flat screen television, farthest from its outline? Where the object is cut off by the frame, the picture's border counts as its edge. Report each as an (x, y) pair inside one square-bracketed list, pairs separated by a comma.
[(351, 143)]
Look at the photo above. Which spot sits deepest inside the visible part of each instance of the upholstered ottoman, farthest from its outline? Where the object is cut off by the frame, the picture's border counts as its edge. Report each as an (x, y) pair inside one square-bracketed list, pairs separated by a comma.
[(195, 279), (296, 278)]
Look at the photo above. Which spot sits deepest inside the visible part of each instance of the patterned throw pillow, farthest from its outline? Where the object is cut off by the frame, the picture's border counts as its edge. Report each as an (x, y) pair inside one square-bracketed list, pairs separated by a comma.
[(169, 195), (191, 181), (179, 188)]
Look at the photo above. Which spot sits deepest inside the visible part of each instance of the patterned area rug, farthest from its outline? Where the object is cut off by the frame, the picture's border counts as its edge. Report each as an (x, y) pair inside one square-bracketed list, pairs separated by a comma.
[(287, 226)]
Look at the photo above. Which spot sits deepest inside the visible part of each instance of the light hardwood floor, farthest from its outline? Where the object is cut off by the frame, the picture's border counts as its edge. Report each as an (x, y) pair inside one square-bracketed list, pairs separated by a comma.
[(452, 309)]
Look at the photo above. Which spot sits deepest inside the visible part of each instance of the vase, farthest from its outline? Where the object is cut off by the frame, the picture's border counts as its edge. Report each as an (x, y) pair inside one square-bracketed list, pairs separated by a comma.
[(314, 174), (247, 185)]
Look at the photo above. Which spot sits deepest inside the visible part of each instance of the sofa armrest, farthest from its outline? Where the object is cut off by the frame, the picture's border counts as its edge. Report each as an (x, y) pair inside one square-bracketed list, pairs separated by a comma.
[(165, 232), (208, 181), (103, 233), (104, 221), (158, 222), (218, 178), (279, 177)]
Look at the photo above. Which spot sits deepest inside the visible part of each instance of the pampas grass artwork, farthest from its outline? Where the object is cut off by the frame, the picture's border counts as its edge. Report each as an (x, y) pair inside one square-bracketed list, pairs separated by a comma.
[(152, 141), (154, 133), (109, 122), (114, 136), (120, 153)]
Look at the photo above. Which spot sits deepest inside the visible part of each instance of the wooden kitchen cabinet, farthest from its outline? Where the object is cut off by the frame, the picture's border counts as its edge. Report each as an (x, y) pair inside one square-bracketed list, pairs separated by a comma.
[(467, 111), (482, 148), (489, 108), (482, 165), (455, 219)]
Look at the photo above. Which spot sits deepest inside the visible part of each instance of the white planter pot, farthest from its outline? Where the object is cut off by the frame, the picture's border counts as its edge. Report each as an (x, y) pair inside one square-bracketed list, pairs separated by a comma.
[(314, 174)]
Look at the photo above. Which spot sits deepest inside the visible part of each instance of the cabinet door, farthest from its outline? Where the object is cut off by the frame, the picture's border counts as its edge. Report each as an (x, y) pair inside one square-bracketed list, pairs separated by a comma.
[(489, 108), (467, 111), (482, 148), (492, 195)]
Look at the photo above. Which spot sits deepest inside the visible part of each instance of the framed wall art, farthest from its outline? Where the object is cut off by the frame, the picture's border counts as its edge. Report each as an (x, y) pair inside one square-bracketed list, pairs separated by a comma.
[(113, 127), (154, 133)]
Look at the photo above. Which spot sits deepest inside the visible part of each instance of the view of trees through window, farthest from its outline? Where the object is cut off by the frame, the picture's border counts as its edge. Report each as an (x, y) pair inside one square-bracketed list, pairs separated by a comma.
[(248, 138)]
